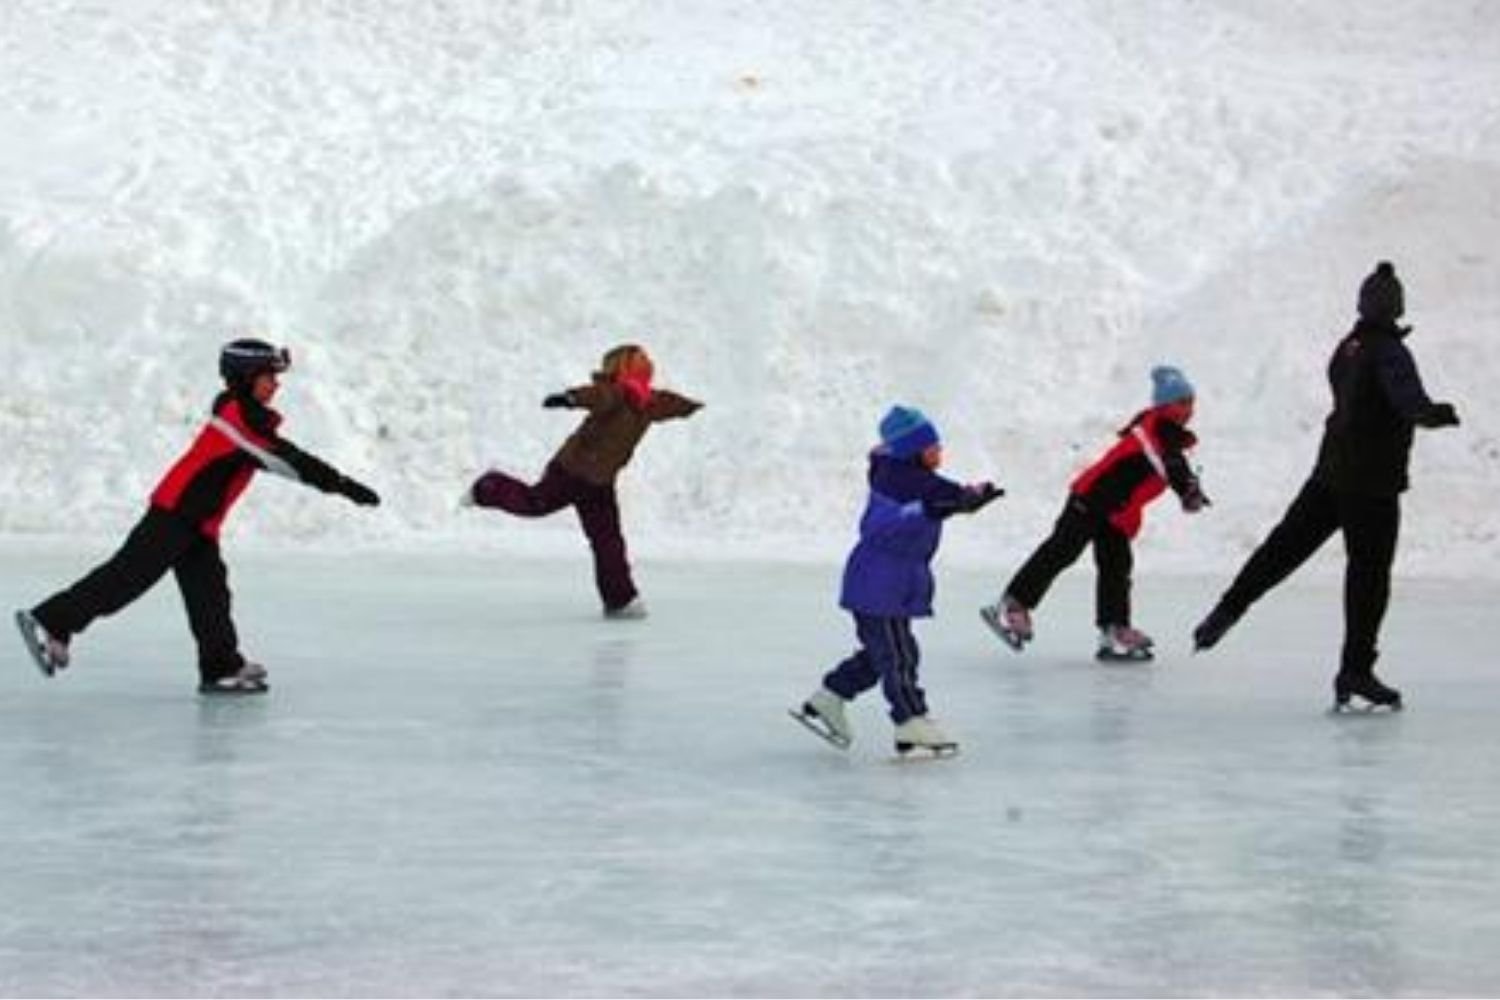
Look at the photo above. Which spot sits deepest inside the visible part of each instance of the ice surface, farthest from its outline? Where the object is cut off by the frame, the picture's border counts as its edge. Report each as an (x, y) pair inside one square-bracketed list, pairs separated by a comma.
[(465, 782)]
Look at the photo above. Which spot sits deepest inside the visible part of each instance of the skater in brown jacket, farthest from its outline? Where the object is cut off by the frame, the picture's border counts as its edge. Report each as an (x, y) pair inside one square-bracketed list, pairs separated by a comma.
[(622, 405)]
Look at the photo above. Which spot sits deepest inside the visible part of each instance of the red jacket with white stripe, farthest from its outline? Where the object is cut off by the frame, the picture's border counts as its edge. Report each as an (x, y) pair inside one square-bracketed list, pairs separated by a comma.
[(238, 440), (1149, 457)]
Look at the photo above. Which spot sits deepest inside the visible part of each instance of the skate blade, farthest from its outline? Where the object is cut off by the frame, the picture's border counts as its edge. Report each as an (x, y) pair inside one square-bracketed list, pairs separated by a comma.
[(242, 690), (1010, 637), (28, 626), (813, 725), (919, 752), (1366, 707), (1109, 656)]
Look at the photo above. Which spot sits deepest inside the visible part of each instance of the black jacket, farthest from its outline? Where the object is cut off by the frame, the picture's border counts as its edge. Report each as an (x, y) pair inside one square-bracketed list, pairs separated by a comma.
[(1377, 399)]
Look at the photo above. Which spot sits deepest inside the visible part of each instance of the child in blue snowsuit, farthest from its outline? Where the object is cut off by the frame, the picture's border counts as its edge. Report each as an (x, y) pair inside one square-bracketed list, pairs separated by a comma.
[(888, 582)]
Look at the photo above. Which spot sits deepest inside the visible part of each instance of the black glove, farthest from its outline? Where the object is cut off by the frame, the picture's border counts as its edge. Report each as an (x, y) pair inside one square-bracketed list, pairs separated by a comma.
[(1440, 415), (1193, 498), (358, 492), (558, 401), (976, 497)]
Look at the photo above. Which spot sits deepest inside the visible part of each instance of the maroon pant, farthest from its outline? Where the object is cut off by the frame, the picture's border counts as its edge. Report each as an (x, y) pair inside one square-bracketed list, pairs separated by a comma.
[(598, 512)]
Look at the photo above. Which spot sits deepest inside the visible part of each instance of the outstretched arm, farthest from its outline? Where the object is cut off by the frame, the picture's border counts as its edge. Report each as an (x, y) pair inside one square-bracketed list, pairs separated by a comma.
[(668, 405), (280, 456), (315, 472), (1397, 372)]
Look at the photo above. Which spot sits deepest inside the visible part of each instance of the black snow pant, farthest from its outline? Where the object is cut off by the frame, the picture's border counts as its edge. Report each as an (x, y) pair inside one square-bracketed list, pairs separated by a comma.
[(1370, 525), (1075, 529), (160, 541)]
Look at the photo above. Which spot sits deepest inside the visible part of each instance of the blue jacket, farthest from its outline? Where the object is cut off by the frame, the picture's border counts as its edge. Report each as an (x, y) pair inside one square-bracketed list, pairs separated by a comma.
[(889, 573)]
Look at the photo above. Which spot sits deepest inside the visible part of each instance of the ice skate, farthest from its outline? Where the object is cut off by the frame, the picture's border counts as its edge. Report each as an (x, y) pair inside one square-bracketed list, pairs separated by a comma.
[(49, 654), (249, 679), (1010, 620), (1123, 644), (1366, 687), (920, 733), (1211, 629), (633, 611), (823, 714)]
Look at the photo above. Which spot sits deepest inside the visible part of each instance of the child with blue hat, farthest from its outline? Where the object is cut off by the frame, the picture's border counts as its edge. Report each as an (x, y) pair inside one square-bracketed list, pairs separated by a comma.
[(888, 581), (1104, 508)]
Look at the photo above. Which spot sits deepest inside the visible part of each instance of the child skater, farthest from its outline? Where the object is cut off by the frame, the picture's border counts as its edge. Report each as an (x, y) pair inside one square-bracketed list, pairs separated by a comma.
[(888, 582), (1104, 508), (180, 529), (622, 405)]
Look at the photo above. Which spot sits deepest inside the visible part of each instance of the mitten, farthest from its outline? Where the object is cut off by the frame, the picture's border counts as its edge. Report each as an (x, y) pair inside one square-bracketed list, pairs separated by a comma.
[(1440, 415)]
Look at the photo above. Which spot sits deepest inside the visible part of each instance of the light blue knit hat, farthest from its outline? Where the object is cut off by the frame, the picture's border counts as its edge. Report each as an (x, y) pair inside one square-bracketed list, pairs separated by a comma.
[(1169, 385)]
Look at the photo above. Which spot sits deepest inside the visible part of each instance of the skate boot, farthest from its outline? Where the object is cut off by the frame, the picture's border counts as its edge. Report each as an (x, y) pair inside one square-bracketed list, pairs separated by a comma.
[(1367, 687), (1010, 620), (823, 714), (920, 732), (1211, 629), (49, 653), (250, 678), (633, 611), (1123, 644)]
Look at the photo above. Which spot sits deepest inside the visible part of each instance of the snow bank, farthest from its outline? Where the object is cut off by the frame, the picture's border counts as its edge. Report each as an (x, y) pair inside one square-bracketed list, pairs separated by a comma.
[(1005, 216)]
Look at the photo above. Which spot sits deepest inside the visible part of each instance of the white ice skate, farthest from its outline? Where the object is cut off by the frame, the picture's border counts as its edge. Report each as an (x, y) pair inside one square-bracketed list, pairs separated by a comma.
[(1123, 644), (249, 679), (1010, 620), (50, 655), (920, 732), (823, 714)]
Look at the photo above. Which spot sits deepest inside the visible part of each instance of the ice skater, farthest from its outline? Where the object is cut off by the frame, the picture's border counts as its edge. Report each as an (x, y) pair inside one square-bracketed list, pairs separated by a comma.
[(1355, 488), (622, 405), (1104, 508), (180, 529), (888, 582)]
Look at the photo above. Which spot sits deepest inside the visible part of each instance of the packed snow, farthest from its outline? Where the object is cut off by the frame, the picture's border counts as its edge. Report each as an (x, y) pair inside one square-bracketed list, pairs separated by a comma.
[(806, 211)]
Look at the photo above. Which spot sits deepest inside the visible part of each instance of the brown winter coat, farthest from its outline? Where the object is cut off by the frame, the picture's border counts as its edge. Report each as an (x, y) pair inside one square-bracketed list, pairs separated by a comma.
[(604, 442)]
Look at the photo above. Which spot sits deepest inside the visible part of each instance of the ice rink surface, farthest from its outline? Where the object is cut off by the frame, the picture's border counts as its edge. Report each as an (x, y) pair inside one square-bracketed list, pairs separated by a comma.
[(464, 782)]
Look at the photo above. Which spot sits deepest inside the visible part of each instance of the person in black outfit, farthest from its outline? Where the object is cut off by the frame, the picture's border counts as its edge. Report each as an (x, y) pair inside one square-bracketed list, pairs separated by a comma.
[(1355, 488), (180, 529)]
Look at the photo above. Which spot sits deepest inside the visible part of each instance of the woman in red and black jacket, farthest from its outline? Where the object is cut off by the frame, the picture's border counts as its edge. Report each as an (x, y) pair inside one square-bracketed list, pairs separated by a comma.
[(1104, 508), (180, 529)]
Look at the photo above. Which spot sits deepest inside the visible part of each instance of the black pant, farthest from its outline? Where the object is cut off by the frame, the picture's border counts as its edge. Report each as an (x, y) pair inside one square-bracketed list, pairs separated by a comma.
[(1076, 527), (1370, 526), (160, 541)]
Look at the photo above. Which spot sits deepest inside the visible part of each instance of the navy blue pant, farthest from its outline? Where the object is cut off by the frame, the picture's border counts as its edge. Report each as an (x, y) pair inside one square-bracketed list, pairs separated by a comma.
[(888, 656)]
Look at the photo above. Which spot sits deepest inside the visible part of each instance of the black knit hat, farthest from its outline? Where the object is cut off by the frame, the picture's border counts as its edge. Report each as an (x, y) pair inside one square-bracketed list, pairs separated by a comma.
[(1381, 299)]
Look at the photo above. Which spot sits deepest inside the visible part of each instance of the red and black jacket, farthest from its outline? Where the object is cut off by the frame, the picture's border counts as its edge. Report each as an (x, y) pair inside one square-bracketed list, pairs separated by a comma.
[(239, 439), (1149, 457)]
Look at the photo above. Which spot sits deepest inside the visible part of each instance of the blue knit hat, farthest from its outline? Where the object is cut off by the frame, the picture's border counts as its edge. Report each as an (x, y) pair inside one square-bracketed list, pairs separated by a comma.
[(1169, 385), (905, 431)]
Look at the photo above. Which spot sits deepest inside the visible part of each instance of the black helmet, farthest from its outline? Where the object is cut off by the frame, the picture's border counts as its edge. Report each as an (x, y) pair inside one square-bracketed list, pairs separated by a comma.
[(243, 360)]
